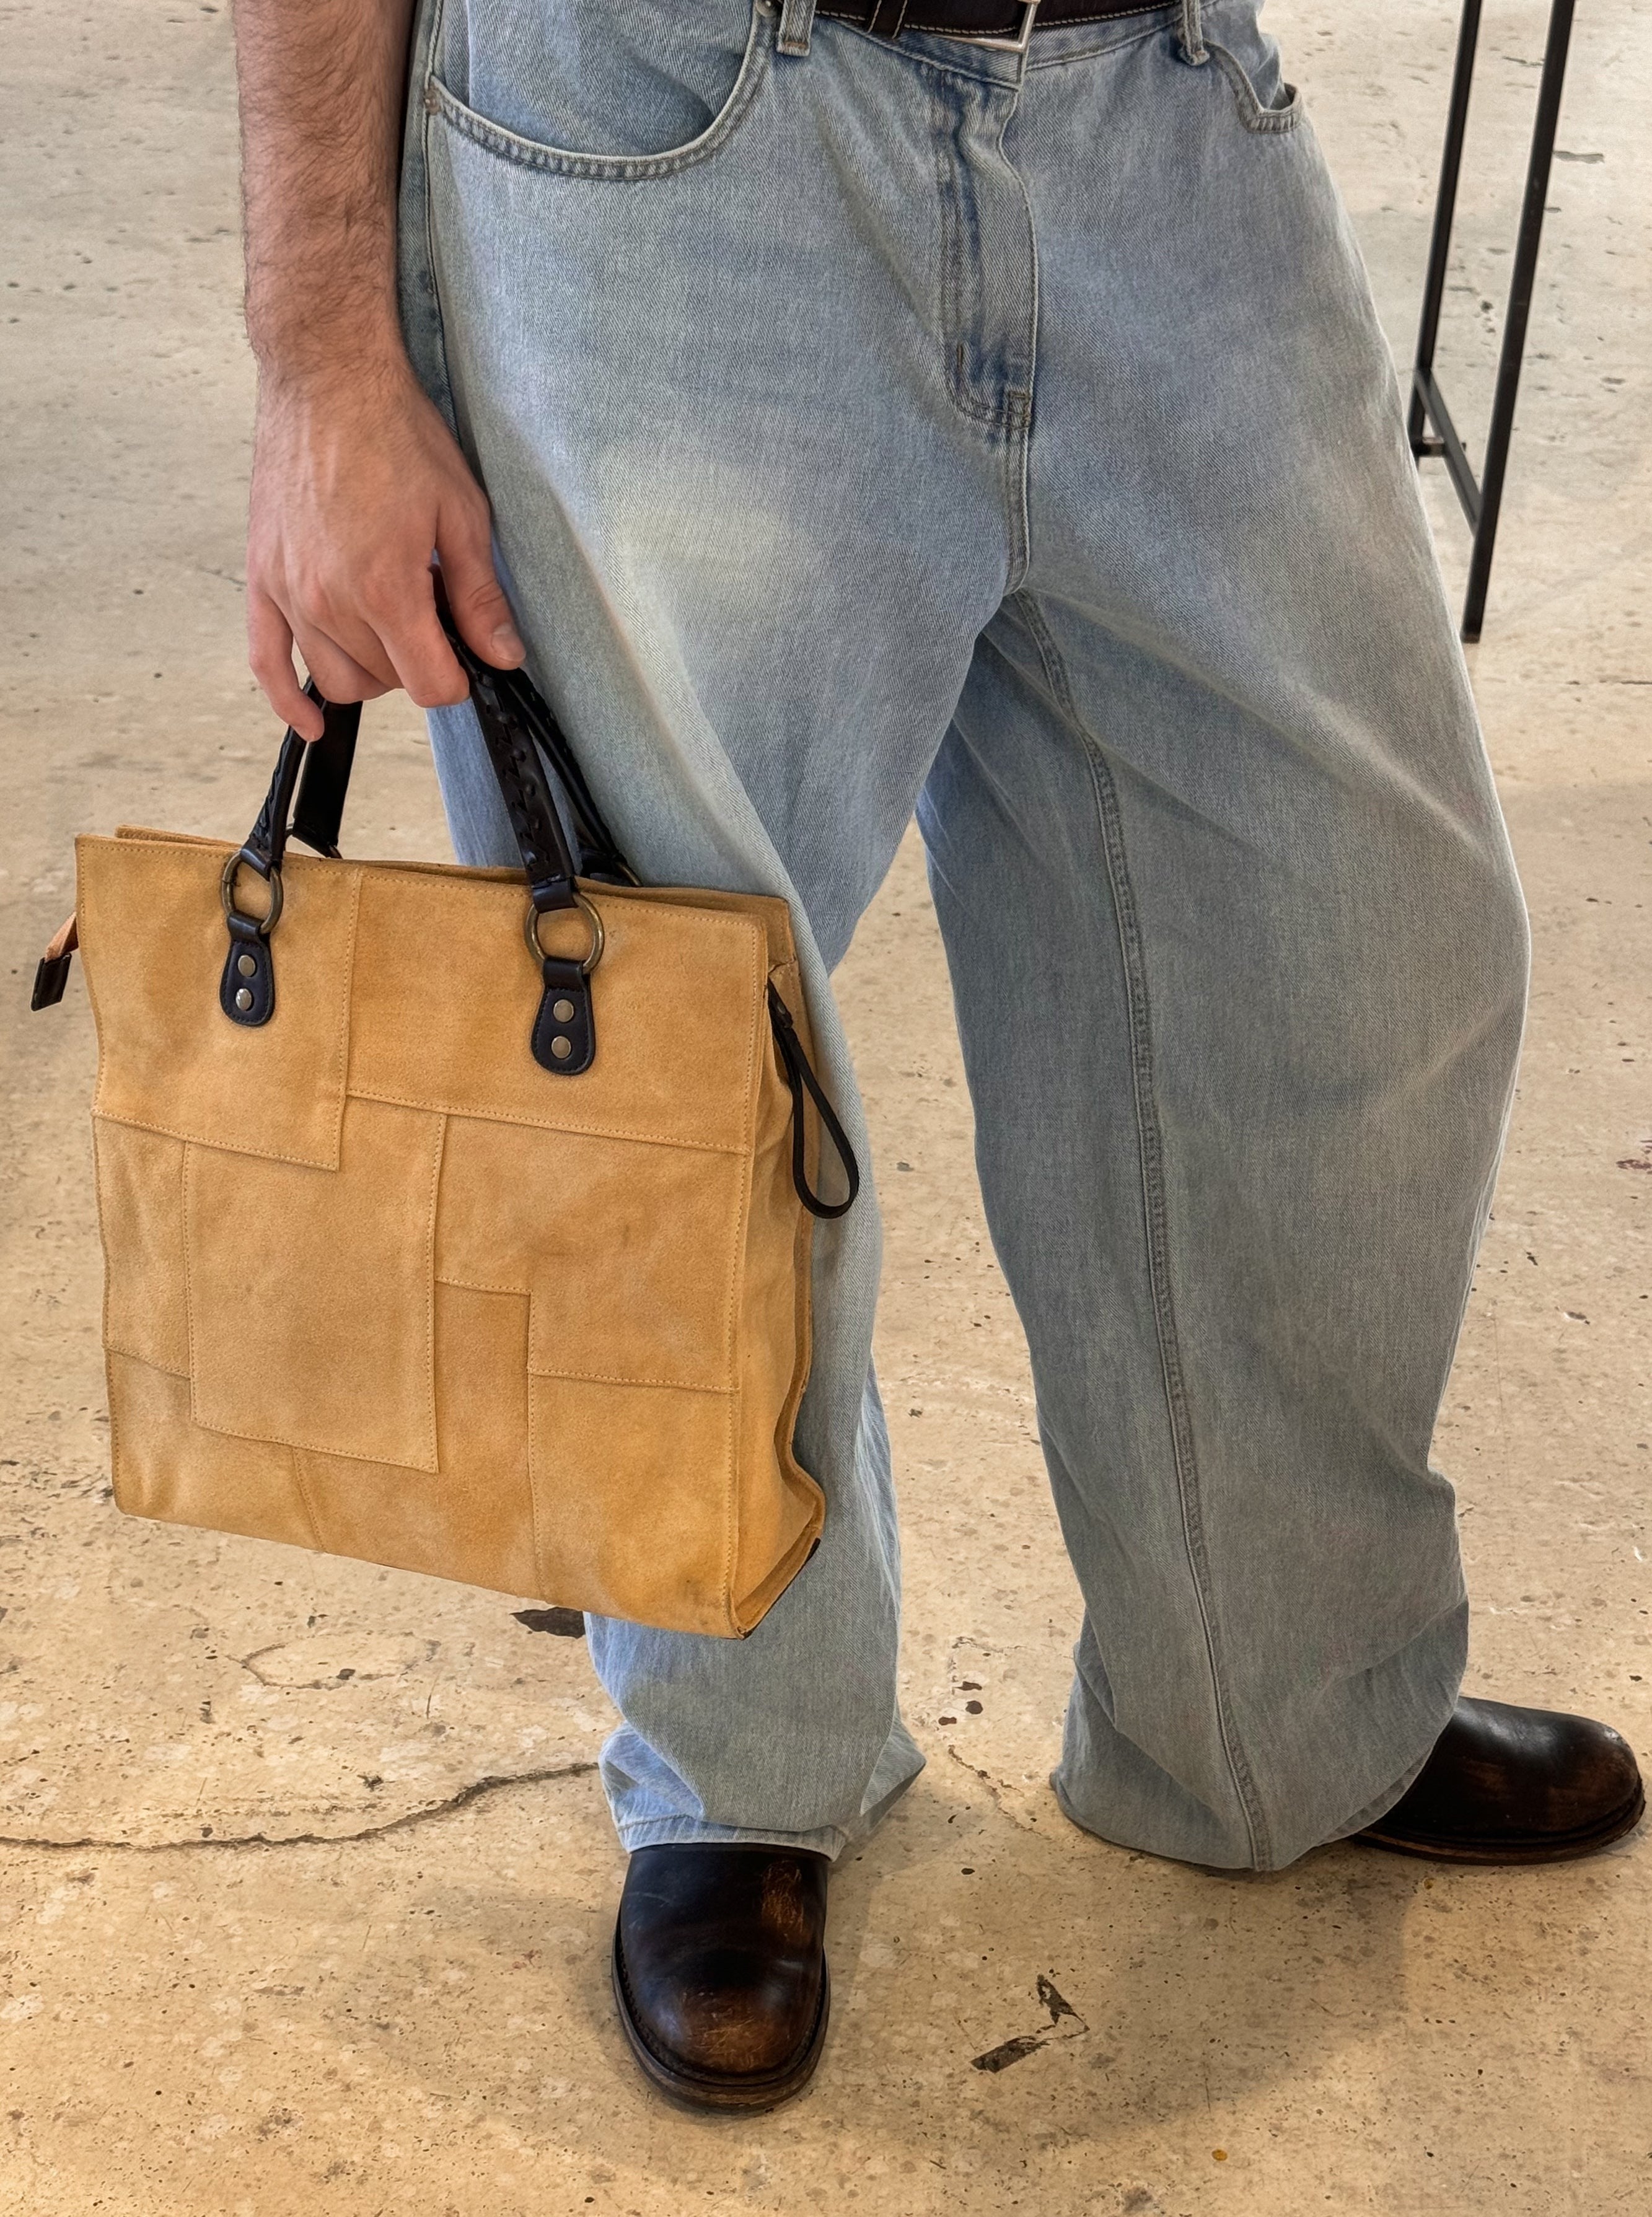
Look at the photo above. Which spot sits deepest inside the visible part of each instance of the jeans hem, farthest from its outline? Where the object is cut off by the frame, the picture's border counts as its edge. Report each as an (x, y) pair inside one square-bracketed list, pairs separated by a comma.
[(1378, 1805), (829, 1840)]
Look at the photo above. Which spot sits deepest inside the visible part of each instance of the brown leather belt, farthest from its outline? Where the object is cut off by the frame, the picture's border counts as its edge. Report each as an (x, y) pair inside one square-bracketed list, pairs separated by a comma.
[(1005, 23)]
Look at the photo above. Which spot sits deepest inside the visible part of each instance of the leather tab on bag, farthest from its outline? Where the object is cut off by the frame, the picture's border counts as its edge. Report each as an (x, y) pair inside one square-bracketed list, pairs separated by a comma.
[(246, 991), (52, 971), (565, 1030)]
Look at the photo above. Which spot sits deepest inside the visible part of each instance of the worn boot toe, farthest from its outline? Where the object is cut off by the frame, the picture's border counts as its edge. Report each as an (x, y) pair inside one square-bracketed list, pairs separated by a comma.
[(720, 1971), (1506, 1785)]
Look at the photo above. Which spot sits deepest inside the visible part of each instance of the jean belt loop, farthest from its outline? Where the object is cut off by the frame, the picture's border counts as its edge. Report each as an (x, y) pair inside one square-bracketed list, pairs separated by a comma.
[(1190, 32), (796, 26)]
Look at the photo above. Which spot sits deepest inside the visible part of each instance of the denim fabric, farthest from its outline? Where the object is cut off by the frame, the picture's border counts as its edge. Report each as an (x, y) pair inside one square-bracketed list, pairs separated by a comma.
[(876, 427)]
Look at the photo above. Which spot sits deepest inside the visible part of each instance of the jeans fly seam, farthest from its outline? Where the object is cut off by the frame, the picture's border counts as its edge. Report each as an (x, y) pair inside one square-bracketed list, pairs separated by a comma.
[(1150, 1147), (1017, 406), (949, 185), (1009, 411), (1018, 401)]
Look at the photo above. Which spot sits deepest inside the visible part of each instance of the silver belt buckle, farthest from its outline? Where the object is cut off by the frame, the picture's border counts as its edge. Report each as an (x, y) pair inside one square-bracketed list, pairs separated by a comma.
[(1019, 43)]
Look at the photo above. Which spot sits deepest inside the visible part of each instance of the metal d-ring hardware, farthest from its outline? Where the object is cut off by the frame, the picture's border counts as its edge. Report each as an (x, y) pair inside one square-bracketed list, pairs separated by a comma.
[(598, 938), (263, 924)]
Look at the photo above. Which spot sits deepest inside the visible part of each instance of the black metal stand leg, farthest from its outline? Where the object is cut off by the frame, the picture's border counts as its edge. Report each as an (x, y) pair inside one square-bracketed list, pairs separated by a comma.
[(1550, 88), (1482, 500), (1439, 246)]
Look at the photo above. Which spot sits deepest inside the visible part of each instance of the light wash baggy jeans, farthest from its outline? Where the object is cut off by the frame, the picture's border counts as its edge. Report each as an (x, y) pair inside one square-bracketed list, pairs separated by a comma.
[(876, 426)]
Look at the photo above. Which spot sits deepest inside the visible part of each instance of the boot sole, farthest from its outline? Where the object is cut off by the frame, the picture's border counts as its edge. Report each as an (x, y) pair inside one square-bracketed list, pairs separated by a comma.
[(694, 2089), (1558, 1848)]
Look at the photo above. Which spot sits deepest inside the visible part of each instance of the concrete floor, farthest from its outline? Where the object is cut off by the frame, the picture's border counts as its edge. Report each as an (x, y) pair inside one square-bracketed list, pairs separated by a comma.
[(306, 1878)]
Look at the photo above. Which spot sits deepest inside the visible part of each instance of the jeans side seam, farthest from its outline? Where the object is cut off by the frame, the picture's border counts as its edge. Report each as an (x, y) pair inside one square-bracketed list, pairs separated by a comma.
[(439, 317), (1150, 1150)]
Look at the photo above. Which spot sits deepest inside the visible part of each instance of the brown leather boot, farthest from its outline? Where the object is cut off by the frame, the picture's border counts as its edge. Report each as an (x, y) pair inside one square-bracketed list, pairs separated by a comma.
[(1515, 1786), (720, 1971)]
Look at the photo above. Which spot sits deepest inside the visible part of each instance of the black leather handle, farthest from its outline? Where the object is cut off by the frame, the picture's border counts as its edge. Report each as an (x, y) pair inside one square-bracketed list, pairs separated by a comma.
[(523, 736), (306, 799), (560, 845), (559, 830)]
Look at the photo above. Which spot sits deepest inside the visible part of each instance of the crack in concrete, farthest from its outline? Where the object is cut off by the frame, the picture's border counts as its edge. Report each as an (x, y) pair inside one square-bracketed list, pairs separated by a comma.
[(999, 1792), (474, 1791)]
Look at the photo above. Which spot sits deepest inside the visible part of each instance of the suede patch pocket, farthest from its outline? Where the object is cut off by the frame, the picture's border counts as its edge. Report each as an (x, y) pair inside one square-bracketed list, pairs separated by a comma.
[(630, 1252), (153, 939), (312, 1292), (140, 1212)]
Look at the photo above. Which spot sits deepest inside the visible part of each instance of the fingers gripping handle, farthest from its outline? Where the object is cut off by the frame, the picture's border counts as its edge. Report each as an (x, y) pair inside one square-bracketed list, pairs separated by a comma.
[(522, 735)]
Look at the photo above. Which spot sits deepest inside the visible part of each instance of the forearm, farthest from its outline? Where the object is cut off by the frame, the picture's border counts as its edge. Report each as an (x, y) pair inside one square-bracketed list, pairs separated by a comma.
[(321, 90)]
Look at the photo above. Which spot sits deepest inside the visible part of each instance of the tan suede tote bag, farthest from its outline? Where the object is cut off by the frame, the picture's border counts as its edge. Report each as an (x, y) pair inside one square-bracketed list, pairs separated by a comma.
[(449, 1222)]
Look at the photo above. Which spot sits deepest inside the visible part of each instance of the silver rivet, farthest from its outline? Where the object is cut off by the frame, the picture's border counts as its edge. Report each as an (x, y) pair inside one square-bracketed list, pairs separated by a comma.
[(561, 1048), (563, 1011), (245, 964), (244, 999)]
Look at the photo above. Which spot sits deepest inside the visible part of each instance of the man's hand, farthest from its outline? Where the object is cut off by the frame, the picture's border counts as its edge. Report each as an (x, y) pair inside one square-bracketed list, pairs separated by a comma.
[(355, 482)]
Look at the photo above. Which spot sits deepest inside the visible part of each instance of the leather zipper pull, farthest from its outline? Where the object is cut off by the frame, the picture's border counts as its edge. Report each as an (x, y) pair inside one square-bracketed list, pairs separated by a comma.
[(51, 973), (802, 1079)]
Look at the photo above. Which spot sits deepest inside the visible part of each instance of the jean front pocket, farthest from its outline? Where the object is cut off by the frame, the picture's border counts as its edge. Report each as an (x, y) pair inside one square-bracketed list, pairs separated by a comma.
[(1266, 101), (593, 89)]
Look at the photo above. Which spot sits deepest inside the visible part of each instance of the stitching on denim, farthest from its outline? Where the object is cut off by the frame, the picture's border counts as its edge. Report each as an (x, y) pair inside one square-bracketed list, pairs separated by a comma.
[(439, 319), (983, 74), (1018, 439), (949, 191), (1136, 38), (1150, 1146), (1002, 416), (621, 169), (1018, 402), (1266, 122), (632, 1835)]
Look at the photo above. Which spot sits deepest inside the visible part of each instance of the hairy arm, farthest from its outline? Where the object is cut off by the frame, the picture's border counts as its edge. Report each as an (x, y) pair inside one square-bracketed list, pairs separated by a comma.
[(356, 481)]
